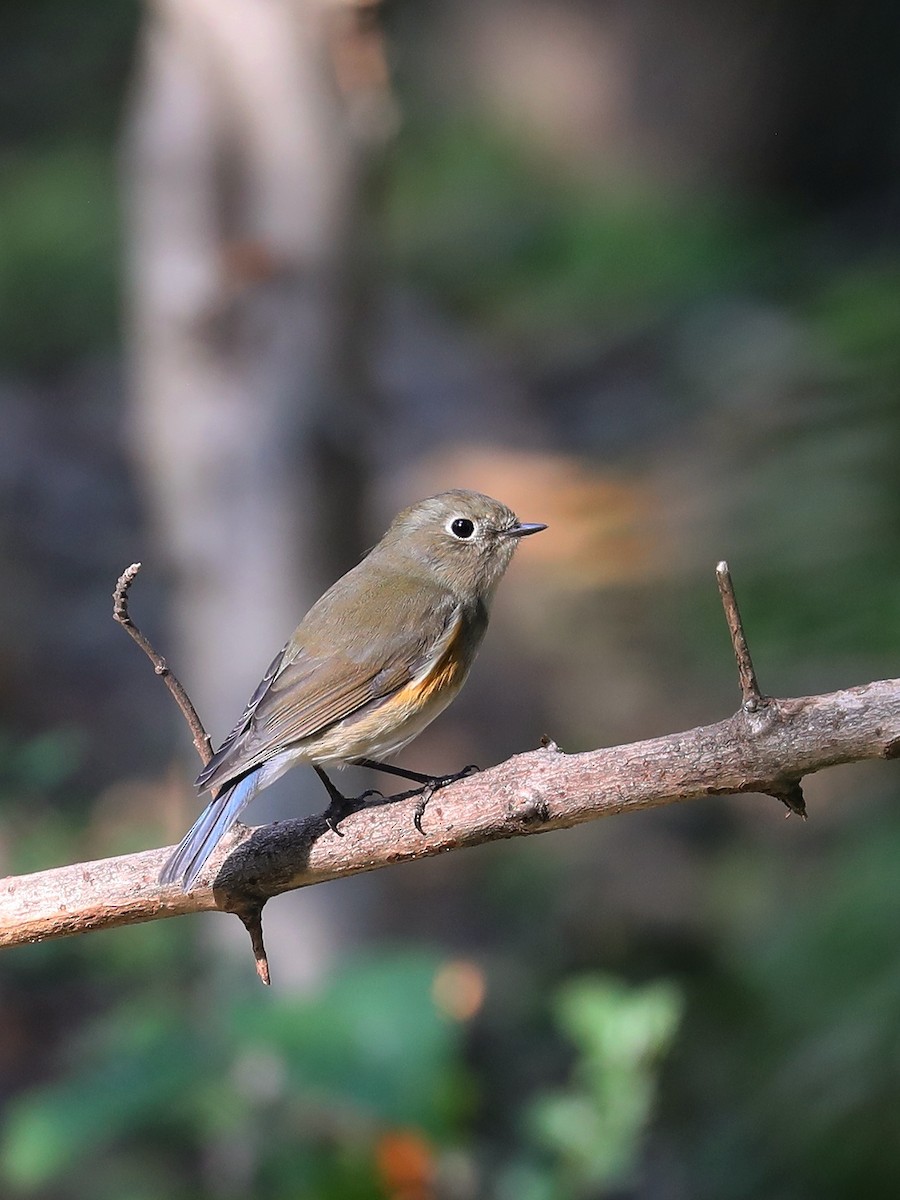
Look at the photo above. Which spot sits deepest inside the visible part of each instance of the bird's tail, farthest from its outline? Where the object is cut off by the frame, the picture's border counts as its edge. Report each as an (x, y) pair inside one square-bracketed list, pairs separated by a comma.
[(207, 831)]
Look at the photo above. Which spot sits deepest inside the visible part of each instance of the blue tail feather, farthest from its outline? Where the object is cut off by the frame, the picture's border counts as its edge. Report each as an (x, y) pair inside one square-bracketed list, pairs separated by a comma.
[(207, 831)]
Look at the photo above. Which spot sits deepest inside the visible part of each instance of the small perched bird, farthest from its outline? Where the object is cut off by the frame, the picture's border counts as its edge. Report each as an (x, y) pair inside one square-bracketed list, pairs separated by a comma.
[(370, 665)]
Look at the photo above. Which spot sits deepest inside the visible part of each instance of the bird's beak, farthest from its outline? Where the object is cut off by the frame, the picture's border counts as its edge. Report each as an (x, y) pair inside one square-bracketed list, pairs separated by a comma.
[(523, 530)]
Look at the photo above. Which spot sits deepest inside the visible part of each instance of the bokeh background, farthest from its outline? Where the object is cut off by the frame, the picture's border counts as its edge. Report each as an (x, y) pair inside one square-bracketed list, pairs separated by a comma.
[(270, 271)]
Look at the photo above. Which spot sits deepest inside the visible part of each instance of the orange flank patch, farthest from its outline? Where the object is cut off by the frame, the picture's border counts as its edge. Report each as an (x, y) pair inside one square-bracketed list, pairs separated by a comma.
[(442, 682), (398, 718)]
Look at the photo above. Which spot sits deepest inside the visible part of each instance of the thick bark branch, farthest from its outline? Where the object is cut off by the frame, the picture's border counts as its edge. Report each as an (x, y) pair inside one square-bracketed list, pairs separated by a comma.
[(767, 750), (767, 746)]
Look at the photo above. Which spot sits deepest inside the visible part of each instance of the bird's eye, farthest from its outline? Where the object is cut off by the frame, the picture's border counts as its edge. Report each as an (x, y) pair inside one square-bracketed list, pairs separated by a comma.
[(462, 528)]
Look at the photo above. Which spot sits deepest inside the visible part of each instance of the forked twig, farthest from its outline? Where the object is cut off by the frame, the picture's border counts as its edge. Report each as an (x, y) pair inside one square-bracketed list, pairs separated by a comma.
[(250, 914)]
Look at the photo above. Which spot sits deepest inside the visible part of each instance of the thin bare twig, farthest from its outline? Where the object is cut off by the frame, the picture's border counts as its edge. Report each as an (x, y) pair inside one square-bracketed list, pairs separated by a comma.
[(750, 690), (249, 913), (785, 788), (202, 744)]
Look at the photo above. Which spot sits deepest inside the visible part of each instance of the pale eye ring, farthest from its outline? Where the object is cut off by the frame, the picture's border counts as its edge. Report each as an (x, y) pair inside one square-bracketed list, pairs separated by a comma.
[(462, 528)]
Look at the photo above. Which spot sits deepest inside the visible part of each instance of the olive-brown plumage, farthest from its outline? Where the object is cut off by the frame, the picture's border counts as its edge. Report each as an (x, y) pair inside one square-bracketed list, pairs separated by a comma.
[(373, 662)]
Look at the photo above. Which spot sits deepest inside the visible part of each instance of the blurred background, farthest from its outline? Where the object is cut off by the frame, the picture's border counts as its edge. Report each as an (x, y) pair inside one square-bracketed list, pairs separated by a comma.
[(272, 269)]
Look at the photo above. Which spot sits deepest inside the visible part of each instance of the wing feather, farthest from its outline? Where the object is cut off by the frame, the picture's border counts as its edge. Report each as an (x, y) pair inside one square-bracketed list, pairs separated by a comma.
[(211, 768), (327, 671)]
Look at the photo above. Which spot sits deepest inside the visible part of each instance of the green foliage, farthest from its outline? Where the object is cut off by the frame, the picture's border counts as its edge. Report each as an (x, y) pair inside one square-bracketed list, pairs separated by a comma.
[(145, 1063), (37, 764), (858, 313), (34, 773), (306, 1085), (294, 1095), (375, 1040), (788, 1073), (480, 218), (64, 71), (59, 252), (807, 503), (592, 1128)]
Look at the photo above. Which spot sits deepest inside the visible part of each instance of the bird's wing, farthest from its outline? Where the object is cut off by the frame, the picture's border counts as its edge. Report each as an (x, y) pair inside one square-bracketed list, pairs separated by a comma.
[(204, 779), (358, 649)]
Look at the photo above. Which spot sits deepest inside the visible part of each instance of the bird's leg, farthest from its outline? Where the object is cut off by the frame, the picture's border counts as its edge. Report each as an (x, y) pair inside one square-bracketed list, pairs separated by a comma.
[(341, 806), (431, 783), (415, 776)]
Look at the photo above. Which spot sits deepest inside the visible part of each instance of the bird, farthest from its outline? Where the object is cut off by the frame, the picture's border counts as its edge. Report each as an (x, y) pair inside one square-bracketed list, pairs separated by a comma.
[(372, 663)]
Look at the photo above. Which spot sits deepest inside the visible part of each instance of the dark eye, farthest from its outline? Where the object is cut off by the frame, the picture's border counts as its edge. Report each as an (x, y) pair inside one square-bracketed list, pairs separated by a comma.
[(462, 528)]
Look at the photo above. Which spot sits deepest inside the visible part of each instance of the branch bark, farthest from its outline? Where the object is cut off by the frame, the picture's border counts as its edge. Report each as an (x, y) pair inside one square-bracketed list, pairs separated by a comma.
[(768, 746), (763, 751)]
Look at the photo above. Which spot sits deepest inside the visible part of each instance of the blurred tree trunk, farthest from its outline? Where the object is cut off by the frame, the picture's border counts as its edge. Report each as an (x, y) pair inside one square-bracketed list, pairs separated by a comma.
[(241, 168)]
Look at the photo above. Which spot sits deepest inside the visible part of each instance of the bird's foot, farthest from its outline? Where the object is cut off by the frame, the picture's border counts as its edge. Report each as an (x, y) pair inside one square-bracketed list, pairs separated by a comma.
[(434, 785), (342, 806)]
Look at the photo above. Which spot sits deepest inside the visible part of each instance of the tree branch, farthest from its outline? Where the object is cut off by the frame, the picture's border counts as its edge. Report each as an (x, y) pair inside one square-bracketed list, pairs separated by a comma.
[(531, 793), (767, 747)]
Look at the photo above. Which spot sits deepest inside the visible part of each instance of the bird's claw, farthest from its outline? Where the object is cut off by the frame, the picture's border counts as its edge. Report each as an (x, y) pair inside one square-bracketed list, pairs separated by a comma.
[(339, 809), (434, 785), (424, 796)]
